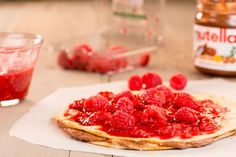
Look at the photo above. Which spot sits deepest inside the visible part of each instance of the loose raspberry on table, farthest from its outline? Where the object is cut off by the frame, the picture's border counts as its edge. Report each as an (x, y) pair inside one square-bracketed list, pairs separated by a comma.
[(118, 63), (84, 48), (151, 80), (135, 82), (168, 93), (122, 121), (184, 100), (144, 59), (102, 64), (178, 81), (186, 114), (125, 104), (64, 61), (80, 59), (153, 96), (96, 103), (107, 94), (154, 115), (127, 94)]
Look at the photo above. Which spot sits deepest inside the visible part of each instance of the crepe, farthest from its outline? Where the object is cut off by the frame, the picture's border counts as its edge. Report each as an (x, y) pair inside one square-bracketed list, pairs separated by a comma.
[(93, 135)]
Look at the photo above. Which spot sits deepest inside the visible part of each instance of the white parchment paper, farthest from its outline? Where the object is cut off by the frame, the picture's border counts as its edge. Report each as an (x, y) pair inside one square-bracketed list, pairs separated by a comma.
[(37, 126)]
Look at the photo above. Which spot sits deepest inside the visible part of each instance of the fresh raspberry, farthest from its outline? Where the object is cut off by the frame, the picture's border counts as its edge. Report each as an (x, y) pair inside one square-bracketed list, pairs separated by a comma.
[(185, 100), (80, 59), (85, 48), (77, 104), (122, 121), (95, 103), (135, 82), (118, 63), (64, 61), (178, 81), (138, 103), (168, 93), (154, 115), (92, 63), (125, 104), (127, 94), (151, 80), (186, 114), (144, 59), (102, 64), (107, 94), (137, 115), (153, 96), (99, 117)]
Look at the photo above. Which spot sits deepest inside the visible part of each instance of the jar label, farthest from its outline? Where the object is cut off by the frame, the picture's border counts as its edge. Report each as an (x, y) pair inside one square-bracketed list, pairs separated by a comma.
[(214, 47)]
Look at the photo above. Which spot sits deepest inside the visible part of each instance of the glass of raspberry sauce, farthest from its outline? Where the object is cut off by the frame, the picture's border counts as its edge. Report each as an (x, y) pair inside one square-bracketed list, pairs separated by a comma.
[(18, 55)]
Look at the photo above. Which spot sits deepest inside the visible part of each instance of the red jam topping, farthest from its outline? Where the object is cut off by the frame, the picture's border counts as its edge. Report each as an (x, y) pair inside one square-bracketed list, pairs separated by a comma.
[(155, 112), (14, 85)]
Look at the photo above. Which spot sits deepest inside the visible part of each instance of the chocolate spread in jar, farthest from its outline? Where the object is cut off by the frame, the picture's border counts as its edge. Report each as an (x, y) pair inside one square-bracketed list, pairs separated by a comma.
[(215, 37)]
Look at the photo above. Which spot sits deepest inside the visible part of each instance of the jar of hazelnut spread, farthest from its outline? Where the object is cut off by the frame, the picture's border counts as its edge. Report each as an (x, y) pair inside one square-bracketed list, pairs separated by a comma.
[(214, 42)]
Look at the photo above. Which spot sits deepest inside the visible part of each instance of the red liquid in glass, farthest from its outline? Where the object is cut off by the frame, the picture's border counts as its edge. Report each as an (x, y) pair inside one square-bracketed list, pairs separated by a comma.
[(15, 85)]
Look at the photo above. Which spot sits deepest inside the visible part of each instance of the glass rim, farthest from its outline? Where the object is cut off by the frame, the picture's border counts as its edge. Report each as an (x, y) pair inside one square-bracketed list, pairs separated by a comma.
[(36, 39)]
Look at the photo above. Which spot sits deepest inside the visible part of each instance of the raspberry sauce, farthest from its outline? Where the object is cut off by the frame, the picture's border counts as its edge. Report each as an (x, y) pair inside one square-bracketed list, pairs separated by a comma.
[(155, 112), (15, 85)]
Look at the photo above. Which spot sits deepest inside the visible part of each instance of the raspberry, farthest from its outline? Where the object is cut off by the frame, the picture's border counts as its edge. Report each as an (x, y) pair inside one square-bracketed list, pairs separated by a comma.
[(118, 63), (168, 93), (77, 104), (153, 96), (80, 59), (96, 103), (127, 94), (137, 115), (122, 62), (144, 59), (99, 117), (125, 104), (178, 81), (185, 100), (106, 94), (154, 115), (138, 103), (81, 48), (151, 80), (122, 121), (135, 82), (93, 61), (102, 64), (185, 114), (64, 61)]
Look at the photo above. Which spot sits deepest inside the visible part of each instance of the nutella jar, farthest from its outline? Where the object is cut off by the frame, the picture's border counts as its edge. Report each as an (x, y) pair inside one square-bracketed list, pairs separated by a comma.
[(214, 43)]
